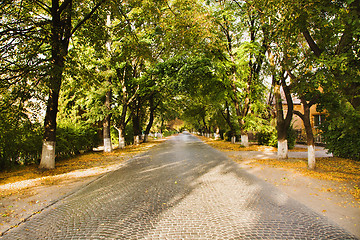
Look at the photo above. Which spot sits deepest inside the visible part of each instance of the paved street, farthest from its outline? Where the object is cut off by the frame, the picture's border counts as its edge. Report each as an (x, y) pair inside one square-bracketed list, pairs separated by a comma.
[(181, 189)]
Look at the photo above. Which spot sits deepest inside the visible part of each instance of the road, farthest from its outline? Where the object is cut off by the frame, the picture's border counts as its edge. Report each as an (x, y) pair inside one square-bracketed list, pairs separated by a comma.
[(181, 189)]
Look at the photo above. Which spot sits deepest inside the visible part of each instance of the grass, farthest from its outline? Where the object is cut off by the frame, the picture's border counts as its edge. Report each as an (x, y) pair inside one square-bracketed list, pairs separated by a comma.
[(331, 168)]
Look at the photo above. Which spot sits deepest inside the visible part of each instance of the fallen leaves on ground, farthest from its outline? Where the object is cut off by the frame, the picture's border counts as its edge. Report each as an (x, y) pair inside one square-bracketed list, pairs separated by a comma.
[(227, 146), (91, 164), (329, 168)]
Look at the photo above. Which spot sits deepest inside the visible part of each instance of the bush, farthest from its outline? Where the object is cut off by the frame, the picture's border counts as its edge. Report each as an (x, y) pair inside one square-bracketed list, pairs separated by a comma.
[(341, 134), (167, 133), (291, 137), (71, 139), (268, 137), (20, 142)]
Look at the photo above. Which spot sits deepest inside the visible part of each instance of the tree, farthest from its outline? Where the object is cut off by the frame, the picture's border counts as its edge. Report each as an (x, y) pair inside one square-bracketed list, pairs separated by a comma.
[(323, 66), (246, 43), (47, 30), (337, 54)]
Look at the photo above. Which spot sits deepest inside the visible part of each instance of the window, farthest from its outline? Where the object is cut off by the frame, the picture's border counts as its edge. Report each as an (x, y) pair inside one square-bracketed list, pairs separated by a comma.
[(318, 120)]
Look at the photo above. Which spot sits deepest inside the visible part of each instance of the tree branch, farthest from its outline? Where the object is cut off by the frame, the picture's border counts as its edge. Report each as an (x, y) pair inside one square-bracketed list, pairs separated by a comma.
[(87, 17), (64, 5), (237, 3), (312, 44), (44, 6), (133, 96), (347, 37), (298, 113), (288, 100)]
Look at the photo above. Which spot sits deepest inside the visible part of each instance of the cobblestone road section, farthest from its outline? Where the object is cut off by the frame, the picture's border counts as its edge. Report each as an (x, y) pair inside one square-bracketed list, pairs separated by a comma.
[(181, 189)]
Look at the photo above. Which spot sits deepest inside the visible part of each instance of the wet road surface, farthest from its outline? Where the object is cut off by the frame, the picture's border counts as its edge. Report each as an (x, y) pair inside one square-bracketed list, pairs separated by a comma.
[(181, 189)]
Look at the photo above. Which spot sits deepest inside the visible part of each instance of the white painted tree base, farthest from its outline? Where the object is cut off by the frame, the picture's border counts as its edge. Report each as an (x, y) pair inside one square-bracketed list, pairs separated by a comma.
[(48, 155), (282, 149), (107, 145), (233, 140), (136, 140), (121, 142), (311, 157), (245, 140)]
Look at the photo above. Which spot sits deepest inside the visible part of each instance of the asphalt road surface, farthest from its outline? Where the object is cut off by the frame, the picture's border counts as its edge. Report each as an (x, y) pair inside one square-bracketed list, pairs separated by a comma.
[(181, 189)]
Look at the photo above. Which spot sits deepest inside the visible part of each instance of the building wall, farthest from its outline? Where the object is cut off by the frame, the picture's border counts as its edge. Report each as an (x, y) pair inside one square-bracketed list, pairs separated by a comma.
[(298, 123)]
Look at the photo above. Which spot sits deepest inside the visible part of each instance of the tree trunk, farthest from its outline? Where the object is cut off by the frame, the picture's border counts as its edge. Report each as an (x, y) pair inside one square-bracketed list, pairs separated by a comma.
[(244, 140), (59, 40), (309, 132), (151, 118), (61, 31), (282, 124), (49, 141), (107, 136), (282, 149), (146, 138), (227, 117), (136, 125), (309, 138), (136, 140), (121, 138), (107, 122)]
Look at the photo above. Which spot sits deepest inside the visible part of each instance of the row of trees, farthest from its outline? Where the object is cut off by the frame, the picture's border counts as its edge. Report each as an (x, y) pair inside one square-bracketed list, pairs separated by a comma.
[(126, 65), (310, 49)]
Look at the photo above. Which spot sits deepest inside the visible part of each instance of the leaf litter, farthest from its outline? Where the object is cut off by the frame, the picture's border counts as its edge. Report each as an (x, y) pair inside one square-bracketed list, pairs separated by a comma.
[(335, 169)]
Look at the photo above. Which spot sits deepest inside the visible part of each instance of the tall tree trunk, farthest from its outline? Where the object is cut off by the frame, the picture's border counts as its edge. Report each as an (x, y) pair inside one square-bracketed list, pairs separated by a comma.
[(227, 117), (136, 124), (61, 31), (121, 137), (121, 122), (151, 118), (107, 120), (107, 123), (59, 40), (49, 140)]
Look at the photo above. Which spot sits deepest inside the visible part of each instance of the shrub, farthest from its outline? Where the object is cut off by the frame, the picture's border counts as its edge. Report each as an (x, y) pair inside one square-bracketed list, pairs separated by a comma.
[(268, 136), (20, 141), (341, 134), (291, 137), (71, 139), (167, 133)]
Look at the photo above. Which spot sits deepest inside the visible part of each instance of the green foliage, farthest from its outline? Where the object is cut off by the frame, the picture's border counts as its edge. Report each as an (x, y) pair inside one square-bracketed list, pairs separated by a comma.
[(20, 142), (291, 137), (167, 133), (129, 134), (341, 133), (267, 136), (71, 139)]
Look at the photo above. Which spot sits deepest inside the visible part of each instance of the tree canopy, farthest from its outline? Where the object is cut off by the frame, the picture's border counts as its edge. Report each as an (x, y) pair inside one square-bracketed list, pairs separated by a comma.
[(71, 68)]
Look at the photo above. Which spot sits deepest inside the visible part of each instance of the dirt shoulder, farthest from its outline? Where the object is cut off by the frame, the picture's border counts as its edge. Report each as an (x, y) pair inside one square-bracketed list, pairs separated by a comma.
[(332, 190), (27, 191)]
